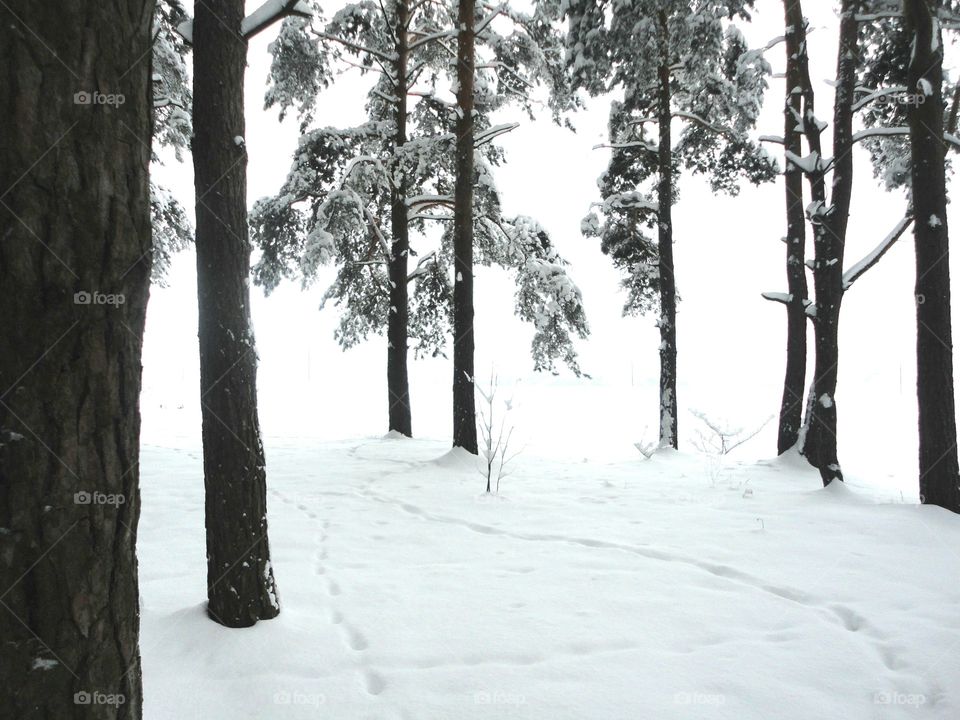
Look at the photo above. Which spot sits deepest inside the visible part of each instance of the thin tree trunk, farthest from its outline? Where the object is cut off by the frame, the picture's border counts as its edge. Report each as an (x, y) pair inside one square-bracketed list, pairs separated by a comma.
[(791, 405), (939, 473), (74, 267), (241, 587), (398, 384), (668, 287), (464, 399), (830, 230)]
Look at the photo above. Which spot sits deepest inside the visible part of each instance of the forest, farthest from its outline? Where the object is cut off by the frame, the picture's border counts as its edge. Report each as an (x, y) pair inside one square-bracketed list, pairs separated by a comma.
[(417, 359)]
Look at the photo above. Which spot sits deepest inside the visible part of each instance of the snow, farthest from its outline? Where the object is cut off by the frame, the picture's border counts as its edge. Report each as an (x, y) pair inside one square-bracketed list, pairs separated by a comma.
[(643, 588), (269, 12)]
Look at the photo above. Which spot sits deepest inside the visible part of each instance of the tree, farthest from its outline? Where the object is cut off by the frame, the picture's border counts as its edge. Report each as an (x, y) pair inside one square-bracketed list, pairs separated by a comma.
[(795, 374), (240, 583), (172, 101), (857, 88), (75, 268), (464, 400), (350, 179), (939, 472), (694, 67)]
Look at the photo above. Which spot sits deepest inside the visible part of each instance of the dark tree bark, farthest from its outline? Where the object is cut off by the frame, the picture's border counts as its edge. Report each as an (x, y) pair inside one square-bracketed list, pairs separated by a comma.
[(240, 578), (795, 376), (830, 230), (464, 399), (75, 247), (939, 473), (398, 384), (668, 285)]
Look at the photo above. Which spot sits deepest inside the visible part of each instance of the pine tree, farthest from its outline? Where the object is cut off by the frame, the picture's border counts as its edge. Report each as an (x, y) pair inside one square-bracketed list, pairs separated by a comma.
[(346, 181), (671, 62), (939, 472), (172, 101), (464, 398), (795, 300), (861, 70), (240, 583), (75, 272)]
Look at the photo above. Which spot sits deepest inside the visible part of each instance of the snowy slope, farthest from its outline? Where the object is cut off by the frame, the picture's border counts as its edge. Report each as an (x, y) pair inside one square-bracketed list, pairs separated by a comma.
[(643, 589)]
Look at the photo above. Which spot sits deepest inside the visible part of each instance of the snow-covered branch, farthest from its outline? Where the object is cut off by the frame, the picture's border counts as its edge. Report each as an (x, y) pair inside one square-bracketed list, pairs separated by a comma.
[(726, 132), (270, 12), (355, 47), (873, 257), (883, 92), (422, 267), (419, 203), (778, 297), (491, 133), (430, 37), (259, 20)]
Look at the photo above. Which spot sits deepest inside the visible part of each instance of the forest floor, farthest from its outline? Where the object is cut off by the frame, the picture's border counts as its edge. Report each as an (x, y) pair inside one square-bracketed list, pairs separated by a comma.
[(676, 587)]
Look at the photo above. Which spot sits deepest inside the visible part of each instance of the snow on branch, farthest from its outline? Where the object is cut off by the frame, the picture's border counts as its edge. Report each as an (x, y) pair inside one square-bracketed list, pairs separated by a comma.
[(259, 20), (883, 92), (809, 164), (489, 134), (419, 203), (778, 297), (880, 132), (629, 200), (422, 267), (873, 257), (628, 145), (355, 47), (271, 11), (430, 37), (726, 132)]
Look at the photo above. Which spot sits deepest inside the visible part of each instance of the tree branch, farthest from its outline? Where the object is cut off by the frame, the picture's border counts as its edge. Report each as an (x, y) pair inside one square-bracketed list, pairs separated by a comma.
[(873, 257)]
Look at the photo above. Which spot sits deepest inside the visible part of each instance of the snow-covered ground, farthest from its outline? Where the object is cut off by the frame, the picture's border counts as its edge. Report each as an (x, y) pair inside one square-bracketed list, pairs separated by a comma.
[(668, 588)]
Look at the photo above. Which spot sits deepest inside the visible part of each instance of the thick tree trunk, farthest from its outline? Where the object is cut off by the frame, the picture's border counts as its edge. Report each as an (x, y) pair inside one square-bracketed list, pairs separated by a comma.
[(795, 376), (240, 578), (939, 473), (668, 286), (830, 231), (398, 385), (464, 399), (74, 267)]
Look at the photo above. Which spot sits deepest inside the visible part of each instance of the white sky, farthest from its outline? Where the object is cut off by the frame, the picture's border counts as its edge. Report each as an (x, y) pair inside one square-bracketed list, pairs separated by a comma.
[(731, 342)]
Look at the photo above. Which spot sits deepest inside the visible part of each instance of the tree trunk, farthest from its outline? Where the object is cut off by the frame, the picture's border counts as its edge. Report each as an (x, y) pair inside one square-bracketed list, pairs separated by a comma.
[(464, 400), (668, 287), (791, 405), (240, 578), (398, 384), (830, 230), (74, 267), (939, 473)]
